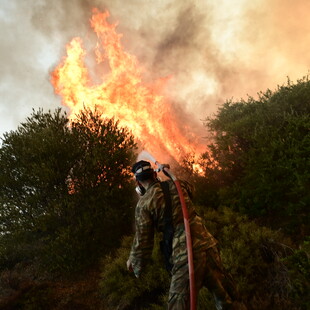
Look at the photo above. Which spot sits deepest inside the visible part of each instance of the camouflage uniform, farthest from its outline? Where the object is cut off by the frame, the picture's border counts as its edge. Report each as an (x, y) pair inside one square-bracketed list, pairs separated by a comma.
[(149, 215)]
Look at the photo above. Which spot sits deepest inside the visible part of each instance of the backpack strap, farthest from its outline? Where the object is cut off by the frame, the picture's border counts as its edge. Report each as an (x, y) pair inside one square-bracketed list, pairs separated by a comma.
[(168, 203), (168, 231)]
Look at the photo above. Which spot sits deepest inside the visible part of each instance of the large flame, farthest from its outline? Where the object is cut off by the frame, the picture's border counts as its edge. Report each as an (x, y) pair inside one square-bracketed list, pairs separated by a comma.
[(122, 94)]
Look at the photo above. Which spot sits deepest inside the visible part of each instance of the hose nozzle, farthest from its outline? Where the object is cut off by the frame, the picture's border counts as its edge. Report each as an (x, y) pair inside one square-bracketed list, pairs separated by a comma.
[(161, 167), (165, 168)]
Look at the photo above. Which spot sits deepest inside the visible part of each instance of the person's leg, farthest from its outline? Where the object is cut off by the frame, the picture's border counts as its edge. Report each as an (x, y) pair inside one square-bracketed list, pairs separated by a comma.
[(179, 287), (179, 294)]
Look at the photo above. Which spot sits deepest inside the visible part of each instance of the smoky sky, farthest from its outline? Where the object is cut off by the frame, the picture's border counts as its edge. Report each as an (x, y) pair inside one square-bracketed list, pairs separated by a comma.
[(212, 52)]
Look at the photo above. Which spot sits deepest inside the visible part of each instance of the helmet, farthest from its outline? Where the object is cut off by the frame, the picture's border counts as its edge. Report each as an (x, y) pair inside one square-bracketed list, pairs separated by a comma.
[(142, 170)]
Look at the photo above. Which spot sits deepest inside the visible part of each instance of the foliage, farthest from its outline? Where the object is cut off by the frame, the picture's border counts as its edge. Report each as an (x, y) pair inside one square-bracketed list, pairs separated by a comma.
[(64, 189), (259, 160), (299, 269), (254, 256), (121, 290), (24, 287)]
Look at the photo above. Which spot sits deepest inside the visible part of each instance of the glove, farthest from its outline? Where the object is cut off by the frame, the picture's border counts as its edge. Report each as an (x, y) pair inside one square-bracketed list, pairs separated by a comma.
[(129, 266)]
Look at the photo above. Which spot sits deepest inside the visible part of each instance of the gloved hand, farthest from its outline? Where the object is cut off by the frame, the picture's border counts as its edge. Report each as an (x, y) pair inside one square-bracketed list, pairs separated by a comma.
[(129, 266)]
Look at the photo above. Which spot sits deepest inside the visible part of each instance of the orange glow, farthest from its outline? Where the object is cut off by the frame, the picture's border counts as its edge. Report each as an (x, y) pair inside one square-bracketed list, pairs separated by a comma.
[(122, 94)]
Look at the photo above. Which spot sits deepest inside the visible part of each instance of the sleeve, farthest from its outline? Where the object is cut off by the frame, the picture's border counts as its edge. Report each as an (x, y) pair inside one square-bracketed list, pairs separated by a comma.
[(143, 242), (190, 189)]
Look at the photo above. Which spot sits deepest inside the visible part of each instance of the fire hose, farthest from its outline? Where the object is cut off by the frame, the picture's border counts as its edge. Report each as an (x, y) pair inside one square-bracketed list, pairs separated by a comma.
[(166, 170)]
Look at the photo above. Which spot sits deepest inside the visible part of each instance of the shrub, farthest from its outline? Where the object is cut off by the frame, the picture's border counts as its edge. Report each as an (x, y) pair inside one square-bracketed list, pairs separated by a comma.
[(65, 191), (259, 158), (121, 290), (255, 257), (298, 265)]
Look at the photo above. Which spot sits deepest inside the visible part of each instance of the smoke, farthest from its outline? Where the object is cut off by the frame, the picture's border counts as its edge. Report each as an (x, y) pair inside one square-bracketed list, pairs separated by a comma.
[(212, 51)]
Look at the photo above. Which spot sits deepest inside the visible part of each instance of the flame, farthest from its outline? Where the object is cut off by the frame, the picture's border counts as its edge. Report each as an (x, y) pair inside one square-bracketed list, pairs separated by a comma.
[(122, 94)]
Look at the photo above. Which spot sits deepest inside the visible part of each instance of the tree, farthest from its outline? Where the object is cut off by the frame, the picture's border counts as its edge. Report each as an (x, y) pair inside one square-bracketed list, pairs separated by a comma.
[(260, 155), (64, 188)]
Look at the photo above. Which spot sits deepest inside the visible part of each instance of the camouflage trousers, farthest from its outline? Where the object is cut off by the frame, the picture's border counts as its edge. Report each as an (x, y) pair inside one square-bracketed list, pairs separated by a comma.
[(210, 273)]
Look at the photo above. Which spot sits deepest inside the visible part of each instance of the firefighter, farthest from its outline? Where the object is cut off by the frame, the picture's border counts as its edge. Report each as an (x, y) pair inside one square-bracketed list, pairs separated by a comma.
[(150, 214)]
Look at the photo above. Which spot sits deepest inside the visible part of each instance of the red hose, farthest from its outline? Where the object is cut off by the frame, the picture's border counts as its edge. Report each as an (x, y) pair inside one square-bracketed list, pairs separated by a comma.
[(189, 246)]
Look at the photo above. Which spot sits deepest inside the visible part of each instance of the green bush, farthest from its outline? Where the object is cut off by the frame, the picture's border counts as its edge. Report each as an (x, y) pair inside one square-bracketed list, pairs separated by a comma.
[(254, 256), (298, 265), (121, 290), (259, 159), (65, 189)]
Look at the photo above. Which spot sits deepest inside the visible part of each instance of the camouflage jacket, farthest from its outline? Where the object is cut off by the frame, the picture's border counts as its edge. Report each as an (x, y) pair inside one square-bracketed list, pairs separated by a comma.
[(149, 215)]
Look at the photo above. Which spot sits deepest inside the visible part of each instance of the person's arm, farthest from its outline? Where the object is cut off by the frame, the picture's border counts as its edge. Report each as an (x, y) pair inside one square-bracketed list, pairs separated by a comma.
[(142, 245), (190, 189)]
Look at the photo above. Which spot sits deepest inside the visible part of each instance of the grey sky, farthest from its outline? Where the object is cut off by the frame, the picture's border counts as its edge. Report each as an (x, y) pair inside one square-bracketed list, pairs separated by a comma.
[(213, 52)]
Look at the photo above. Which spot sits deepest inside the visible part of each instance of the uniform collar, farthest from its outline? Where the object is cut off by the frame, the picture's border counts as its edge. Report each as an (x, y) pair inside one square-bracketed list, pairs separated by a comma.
[(152, 184)]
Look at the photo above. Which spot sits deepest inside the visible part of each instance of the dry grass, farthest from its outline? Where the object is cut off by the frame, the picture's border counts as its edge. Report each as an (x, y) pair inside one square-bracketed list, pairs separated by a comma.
[(22, 288)]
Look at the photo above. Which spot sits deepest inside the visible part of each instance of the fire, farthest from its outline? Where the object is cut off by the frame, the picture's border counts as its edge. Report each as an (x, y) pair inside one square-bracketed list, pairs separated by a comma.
[(122, 94)]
